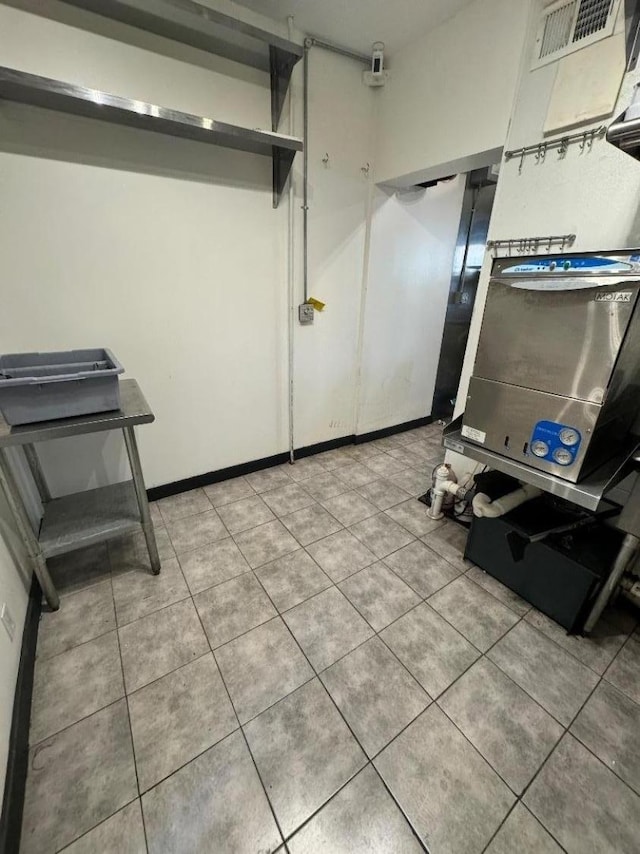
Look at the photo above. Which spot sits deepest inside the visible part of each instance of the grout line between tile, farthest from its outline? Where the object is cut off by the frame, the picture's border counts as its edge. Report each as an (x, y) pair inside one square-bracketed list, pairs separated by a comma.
[(133, 745), (316, 676), (194, 516), (135, 768), (354, 605), (397, 803), (479, 752), (218, 583), (166, 522), (561, 648), (86, 717), (240, 726), (168, 673), (84, 833), (567, 731), (155, 611), (75, 646), (568, 651), (327, 802), (222, 679)]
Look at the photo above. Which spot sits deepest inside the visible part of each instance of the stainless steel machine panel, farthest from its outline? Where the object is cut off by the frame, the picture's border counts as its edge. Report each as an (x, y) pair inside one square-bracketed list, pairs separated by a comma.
[(556, 383), (563, 340), (505, 416)]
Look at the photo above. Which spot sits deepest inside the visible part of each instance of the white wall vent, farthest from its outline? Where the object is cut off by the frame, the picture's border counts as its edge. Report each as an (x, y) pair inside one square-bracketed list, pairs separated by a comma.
[(568, 25)]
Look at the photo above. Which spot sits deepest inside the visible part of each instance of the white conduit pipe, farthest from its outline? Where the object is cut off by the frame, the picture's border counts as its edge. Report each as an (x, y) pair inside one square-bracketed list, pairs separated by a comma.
[(483, 506), (291, 272)]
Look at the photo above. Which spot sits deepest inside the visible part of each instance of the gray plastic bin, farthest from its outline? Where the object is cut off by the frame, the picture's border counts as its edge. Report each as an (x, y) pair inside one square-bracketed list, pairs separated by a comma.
[(45, 386)]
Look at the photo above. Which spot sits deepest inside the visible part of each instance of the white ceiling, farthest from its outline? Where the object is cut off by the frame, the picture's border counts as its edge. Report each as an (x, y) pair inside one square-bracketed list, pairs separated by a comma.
[(356, 24)]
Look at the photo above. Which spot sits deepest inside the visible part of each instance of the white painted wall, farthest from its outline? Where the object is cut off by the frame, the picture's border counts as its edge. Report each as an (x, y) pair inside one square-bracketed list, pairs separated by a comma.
[(179, 270), (14, 587), (447, 104), (171, 253), (341, 117), (413, 237), (592, 194)]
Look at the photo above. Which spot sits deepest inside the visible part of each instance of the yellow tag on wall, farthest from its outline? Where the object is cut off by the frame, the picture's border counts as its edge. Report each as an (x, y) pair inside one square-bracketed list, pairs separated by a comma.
[(316, 303)]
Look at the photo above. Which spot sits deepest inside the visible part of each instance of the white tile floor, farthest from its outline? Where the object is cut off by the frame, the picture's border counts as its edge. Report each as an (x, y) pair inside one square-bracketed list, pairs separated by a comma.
[(318, 669)]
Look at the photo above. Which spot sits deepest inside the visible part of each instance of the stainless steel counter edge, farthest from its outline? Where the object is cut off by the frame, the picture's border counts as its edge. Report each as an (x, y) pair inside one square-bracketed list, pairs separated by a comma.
[(587, 493)]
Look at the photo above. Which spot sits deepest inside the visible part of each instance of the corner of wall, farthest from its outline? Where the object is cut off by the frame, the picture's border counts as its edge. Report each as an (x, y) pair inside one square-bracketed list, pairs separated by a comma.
[(14, 591)]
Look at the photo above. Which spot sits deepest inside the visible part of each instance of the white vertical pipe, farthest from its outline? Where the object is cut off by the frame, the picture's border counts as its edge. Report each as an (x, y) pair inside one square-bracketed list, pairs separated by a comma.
[(365, 284), (291, 270), (305, 170)]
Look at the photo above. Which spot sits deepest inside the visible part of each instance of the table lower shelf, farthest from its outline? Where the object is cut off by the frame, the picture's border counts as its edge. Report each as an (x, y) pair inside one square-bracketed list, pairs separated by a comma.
[(85, 518)]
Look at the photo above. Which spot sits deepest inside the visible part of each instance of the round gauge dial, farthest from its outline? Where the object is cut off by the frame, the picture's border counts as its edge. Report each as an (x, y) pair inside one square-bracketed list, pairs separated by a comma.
[(539, 448), (562, 456), (569, 436)]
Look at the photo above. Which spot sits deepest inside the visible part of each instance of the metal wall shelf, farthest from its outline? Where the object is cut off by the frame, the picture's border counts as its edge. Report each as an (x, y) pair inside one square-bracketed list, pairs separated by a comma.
[(204, 28), (66, 97)]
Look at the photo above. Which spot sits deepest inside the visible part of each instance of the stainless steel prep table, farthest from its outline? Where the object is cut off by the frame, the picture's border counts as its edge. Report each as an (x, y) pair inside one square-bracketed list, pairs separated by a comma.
[(83, 518)]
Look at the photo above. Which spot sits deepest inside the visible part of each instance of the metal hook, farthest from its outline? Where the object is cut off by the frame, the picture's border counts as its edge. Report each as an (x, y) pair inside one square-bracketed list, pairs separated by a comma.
[(365, 170), (325, 160), (522, 155), (583, 144), (564, 146), (591, 138)]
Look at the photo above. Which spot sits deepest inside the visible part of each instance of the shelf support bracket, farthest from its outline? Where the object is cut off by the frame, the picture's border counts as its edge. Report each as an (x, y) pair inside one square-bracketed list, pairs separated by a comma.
[(281, 66), (282, 162)]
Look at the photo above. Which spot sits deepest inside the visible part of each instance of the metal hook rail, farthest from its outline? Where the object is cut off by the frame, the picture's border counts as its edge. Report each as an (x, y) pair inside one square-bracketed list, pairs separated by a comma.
[(585, 138), (521, 245)]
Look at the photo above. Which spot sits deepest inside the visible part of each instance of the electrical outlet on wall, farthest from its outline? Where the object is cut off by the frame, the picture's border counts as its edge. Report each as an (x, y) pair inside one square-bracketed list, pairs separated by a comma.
[(305, 313), (7, 620)]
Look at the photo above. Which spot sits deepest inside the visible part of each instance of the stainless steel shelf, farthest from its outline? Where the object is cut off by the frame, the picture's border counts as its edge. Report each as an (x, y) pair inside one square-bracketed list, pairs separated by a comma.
[(204, 28), (85, 518), (66, 97)]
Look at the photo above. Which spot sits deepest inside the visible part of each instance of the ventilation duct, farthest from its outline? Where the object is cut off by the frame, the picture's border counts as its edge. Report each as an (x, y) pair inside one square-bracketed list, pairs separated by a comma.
[(569, 25)]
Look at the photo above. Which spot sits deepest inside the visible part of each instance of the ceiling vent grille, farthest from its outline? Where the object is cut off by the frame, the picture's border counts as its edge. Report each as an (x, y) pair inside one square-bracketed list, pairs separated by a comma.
[(568, 25)]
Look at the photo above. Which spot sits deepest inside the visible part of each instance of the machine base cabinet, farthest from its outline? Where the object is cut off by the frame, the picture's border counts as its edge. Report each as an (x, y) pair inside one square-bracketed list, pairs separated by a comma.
[(560, 576)]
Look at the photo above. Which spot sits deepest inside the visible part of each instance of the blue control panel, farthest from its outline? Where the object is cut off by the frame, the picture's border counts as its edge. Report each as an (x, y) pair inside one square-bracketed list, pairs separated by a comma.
[(590, 264), (555, 443)]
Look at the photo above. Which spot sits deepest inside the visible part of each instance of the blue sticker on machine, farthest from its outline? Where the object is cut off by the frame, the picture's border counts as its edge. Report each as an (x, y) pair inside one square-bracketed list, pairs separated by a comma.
[(555, 443)]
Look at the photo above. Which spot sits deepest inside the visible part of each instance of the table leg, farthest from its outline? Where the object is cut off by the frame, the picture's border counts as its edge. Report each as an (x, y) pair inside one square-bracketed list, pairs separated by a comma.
[(141, 493), (21, 517), (628, 550), (36, 470)]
